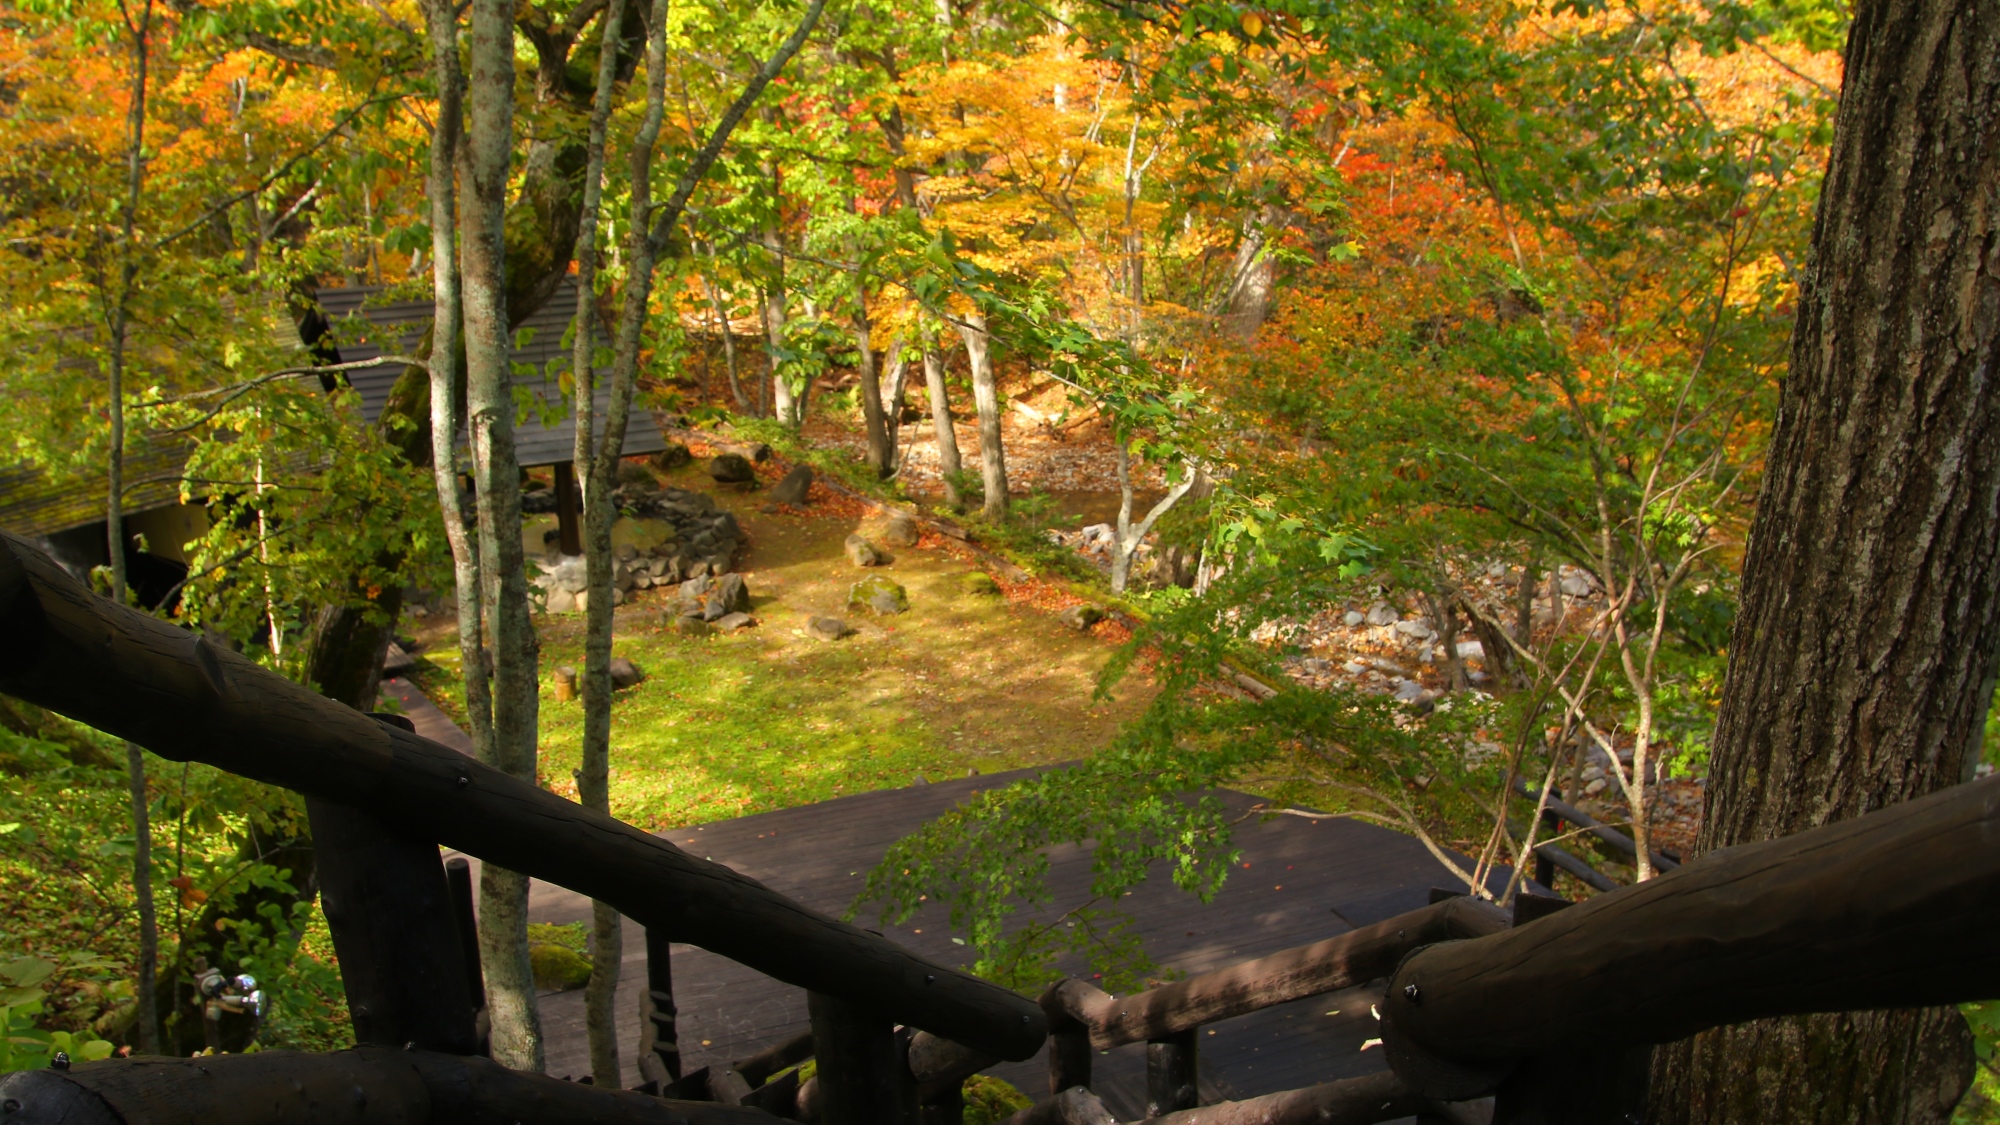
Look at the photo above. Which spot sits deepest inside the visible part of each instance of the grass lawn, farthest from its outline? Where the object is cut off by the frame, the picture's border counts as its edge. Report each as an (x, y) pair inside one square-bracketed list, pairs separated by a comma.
[(770, 717)]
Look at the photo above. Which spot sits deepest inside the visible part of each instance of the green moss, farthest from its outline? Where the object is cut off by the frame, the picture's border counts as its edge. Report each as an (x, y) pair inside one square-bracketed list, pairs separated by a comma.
[(876, 594), (980, 584), (557, 956), (989, 1099)]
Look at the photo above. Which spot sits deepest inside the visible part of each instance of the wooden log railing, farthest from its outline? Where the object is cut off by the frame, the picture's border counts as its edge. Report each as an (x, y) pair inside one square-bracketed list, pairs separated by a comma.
[(183, 698), (1893, 909)]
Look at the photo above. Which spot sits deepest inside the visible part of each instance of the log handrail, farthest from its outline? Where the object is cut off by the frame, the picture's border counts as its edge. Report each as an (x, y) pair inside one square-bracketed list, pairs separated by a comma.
[(1893, 909), (172, 692), (361, 1086), (1349, 959)]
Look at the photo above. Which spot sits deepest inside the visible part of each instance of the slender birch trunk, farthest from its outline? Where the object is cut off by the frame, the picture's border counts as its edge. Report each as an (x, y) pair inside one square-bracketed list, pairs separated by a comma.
[(140, 27), (986, 399), (950, 465), (595, 461), (503, 930)]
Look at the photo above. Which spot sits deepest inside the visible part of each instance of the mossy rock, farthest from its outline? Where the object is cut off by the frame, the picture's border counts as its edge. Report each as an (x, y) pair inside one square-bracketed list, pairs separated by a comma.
[(556, 953), (980, 584), (880, 595), (989, 1100)]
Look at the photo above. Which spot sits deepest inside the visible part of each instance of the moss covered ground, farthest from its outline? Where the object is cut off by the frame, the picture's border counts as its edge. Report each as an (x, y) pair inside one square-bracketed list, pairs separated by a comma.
[(769, 717)]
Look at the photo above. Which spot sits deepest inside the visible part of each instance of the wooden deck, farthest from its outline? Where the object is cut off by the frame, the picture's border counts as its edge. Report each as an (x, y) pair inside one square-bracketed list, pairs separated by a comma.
[(1304, 880)]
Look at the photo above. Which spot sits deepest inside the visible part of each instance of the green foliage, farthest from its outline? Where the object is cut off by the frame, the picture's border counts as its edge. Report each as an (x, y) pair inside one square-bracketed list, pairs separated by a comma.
[(1981, 1105), (558, 955)]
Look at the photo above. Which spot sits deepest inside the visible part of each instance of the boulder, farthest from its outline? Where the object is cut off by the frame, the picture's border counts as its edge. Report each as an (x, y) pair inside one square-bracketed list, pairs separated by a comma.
[(688, 625), (672, 457), (561, 601), (1577, 585), (731, 468), (1416, 628), (1353, 617), (1081, 617), (980, 584), (624, 673), (643, 535), (633, 475), (793, 489), (565, 573), (1382, 613), (558, 968), (691, 595), (829, 628), (730, 622), (880, 595), (861, 552), (726, 595), (899, 530)]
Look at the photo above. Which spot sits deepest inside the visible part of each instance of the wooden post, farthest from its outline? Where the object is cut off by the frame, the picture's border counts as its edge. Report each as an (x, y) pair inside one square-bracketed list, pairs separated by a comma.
[(1069, 1058), (568, 504), (659, 1040), (864, 1078), (458, 875), (1545, 868), (389, 907), (1170, 1077)]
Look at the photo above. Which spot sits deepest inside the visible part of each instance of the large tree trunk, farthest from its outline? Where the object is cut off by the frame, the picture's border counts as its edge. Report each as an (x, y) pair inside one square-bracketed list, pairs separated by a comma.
[(503, 929), (1862, 662), (881, 455), (986, 399)]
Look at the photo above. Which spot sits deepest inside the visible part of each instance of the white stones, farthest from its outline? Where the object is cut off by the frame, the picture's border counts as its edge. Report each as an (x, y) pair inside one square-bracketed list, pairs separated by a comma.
[(1381, 613)]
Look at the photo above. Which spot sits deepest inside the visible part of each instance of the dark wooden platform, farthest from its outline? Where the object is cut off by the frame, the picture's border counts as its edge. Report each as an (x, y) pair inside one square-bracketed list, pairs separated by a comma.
[(1304, 880)]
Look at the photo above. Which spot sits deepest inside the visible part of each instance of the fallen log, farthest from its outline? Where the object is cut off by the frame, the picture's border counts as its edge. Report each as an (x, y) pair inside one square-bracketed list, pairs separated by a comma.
[(1352, 958), (172, 692), (1350, 1101), (364, 1086), (1889, 910)]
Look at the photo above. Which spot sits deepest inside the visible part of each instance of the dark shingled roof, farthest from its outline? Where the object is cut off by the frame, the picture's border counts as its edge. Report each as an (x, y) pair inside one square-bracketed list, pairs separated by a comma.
[(366, 325), (32, 504)]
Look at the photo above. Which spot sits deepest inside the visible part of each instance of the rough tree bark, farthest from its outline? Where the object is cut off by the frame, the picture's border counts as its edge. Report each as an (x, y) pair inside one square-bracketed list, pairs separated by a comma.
[(1862, 662), (881, 454), (487, 152), (986, 399)]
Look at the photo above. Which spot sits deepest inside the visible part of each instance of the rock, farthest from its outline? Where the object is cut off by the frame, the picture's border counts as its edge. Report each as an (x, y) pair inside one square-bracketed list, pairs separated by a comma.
[(565, 684), (730, 622), (672, 457), (899, 530), (1409, 691), (566, 573), (1471, 650), (583, 601), (1596, 787), (688, 625), (634, 475), (878, 594), (625, 674), (1577, 586), (643, 535), (980, 584), (829, 628), (1353, 617), (731, 468), (1354, 667), (793, 489), (1081, 617), (558, 968), (1381, 613), (561, 601), (1416, 628), (861, 552), (726, 595)]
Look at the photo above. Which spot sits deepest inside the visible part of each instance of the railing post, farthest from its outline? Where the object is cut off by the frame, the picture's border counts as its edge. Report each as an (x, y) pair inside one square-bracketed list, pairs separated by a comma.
[(659, 1041), (389, 907), (1069, 1037), (1170, 1073), (1545, 868), (864, 1075)]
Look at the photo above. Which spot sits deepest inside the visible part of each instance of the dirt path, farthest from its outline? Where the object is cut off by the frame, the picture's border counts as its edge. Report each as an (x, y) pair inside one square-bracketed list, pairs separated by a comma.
[(771, 717)]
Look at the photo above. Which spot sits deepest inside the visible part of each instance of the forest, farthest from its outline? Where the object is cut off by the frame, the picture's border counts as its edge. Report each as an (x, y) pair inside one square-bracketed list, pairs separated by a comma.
[(1533, 428)]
